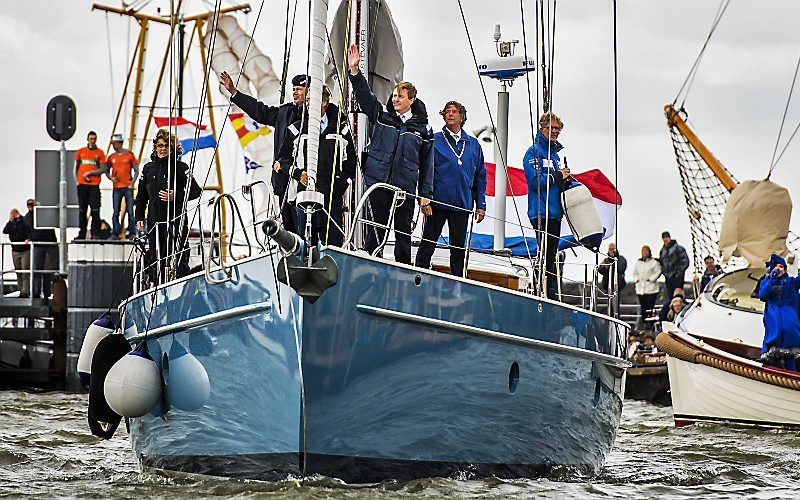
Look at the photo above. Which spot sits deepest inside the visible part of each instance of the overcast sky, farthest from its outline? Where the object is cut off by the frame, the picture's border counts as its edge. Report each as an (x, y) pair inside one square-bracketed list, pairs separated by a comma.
[(50, 48)]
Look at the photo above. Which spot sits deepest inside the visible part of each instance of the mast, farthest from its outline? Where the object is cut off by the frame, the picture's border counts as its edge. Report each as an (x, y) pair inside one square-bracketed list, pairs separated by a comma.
[(500, 173), (674, 119), (359, 35)]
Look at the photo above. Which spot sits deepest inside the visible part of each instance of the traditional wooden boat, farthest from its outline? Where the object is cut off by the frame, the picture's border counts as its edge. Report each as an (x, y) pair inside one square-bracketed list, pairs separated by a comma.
[(719, 381)]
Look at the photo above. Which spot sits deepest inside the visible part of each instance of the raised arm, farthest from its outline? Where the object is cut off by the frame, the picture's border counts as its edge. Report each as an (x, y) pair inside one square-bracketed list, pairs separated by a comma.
[(255, 109), (366, 99)]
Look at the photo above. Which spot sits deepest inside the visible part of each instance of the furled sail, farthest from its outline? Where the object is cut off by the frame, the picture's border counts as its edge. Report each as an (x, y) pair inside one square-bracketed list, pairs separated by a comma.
[(255, 77), (756, 222), (385, 50)]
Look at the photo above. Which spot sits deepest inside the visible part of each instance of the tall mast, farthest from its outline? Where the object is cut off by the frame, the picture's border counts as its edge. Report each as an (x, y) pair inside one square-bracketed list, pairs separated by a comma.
[(359, 35)]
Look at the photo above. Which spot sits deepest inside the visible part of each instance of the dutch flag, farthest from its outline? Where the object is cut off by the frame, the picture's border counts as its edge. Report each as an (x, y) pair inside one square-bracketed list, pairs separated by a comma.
[(186, 132), (521, 240)]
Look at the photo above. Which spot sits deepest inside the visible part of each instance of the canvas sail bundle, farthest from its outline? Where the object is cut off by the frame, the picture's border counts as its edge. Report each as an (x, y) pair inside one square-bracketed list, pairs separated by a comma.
[(756, 222)]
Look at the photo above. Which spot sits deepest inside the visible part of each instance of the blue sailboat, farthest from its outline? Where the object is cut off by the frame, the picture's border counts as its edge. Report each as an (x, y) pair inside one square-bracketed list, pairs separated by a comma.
[(335, 362)]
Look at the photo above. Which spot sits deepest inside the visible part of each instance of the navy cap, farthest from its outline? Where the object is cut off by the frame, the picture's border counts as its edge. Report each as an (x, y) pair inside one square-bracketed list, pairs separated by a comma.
[(301, 81)]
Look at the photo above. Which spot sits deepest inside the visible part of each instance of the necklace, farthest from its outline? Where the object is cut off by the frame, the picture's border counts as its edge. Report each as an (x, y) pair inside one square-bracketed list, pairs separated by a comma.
[(463, 147)]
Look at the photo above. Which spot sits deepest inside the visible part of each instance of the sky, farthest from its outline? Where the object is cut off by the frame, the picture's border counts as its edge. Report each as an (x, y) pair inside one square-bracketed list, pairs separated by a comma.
[(735, 105)]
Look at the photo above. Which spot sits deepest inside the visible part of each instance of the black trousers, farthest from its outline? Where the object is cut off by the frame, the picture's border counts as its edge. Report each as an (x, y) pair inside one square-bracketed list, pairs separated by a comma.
[(552, 229), (88, 198), (646, 302), (162, 242), (671, 283), (45, 258), (457, 222), (378, 208)]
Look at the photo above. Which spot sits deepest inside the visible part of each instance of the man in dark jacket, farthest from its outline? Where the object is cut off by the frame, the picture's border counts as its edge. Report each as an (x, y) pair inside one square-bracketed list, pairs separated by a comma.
[(336, 163), (674, 263), (711, 271), (459, 185), (279, 117), (160, 197), (18, 231), (605, 269), (45, 256), (400, 154)]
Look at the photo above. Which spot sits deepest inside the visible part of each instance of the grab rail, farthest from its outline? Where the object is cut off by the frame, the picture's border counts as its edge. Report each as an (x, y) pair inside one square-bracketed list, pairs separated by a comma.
[(216, 211)]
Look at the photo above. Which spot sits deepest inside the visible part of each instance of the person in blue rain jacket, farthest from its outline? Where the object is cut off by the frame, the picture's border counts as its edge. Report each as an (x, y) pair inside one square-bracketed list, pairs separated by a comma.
[(546, 176), (781, 325)]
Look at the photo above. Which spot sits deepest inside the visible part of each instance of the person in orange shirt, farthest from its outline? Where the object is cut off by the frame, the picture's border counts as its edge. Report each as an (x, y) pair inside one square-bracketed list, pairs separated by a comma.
[(90, 164), (123, 172)]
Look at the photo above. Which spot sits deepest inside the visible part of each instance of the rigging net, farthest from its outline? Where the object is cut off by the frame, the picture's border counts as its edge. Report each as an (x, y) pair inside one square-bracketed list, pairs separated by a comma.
[(706, 196)]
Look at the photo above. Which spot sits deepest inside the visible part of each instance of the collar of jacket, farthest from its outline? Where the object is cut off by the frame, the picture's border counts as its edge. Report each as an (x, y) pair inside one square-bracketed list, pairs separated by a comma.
[(332, 112), (419, 114), (544, 144), (462, 135)]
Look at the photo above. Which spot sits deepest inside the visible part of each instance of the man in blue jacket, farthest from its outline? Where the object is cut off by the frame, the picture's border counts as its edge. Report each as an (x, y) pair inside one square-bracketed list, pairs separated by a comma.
[(546, 179), (459, 185), (400, 154), (279, 117), (781, 325)]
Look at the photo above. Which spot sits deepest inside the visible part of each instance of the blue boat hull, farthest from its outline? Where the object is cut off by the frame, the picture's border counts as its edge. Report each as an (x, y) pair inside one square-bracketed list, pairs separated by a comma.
[(405, 373)]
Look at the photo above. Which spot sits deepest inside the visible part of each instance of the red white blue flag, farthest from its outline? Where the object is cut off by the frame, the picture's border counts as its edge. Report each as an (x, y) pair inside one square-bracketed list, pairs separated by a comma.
[(191, 135), (520, 236)]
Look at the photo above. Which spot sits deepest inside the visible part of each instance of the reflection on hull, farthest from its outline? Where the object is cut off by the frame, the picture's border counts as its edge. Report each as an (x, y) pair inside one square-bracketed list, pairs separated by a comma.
[(459, 378)]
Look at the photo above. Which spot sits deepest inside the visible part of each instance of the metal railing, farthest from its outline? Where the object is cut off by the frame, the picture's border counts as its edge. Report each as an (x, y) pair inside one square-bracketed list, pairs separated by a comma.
[(209, 249), (31, 273)]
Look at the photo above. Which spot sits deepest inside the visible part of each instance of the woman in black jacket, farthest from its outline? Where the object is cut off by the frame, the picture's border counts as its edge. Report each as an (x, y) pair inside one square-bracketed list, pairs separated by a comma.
[(160, 204)]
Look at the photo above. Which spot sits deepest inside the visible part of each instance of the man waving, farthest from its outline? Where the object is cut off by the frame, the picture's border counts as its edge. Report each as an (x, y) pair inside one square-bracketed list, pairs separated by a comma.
[(399, 154)]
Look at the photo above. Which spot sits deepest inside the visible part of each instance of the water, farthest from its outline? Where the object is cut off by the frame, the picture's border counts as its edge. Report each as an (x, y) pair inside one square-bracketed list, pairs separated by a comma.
[(46, 450)]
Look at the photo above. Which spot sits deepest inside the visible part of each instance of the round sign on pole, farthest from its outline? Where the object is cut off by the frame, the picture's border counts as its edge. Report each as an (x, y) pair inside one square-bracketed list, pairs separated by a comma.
[(61, 118)]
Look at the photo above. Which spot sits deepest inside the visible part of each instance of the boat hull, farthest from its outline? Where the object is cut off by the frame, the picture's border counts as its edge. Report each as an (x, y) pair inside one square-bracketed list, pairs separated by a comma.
[(405, 374), (704, 393)]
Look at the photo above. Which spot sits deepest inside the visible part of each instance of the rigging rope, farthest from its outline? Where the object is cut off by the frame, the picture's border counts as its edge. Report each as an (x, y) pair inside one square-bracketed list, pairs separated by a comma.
[(773, 162), (527, 73), (687, 82)]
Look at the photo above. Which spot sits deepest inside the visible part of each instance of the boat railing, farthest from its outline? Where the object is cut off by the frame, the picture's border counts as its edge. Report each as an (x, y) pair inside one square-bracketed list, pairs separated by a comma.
[(218, 249), (209, 245)]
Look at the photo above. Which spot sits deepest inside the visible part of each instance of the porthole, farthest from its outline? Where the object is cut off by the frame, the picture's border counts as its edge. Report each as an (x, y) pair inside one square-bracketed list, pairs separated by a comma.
[(513, 377)]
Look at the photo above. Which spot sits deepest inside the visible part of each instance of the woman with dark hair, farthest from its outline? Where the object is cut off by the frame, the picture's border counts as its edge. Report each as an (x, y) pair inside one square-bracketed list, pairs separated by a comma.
[(160, 205)]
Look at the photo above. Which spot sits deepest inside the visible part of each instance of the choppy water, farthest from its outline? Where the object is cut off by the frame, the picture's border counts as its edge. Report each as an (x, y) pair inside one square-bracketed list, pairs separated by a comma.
[(46, 450)]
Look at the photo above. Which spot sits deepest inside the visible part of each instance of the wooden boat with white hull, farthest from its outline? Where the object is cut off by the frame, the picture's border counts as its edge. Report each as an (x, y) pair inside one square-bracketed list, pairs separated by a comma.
[(719, 381)]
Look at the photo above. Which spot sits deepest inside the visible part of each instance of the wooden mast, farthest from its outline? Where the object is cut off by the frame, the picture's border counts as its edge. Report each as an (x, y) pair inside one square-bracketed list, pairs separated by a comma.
[(144, 21), (674, 119)]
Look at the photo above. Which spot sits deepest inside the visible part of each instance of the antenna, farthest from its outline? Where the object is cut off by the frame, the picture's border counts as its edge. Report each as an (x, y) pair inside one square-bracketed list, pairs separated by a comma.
[(497, 33)]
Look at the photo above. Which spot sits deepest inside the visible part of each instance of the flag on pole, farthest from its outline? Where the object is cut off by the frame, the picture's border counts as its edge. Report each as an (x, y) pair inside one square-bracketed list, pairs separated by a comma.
[(520, 235), (187, 131)]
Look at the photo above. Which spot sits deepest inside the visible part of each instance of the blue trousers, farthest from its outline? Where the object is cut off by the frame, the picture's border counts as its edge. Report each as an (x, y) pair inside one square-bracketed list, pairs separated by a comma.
[(127, 194)]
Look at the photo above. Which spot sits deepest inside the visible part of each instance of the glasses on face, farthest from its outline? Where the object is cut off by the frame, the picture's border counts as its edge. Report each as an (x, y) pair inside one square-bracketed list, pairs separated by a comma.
[(161, 145), (552, 128)]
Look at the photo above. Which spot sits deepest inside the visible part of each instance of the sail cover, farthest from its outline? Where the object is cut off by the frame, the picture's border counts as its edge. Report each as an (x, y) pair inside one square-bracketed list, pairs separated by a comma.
[(385, 50), (756, 222)]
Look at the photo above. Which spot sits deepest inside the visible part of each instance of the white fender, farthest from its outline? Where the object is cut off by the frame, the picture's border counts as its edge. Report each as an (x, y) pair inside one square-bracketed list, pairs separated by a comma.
[(188, 387), (582, 215), (133, 385), (97, 331)]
